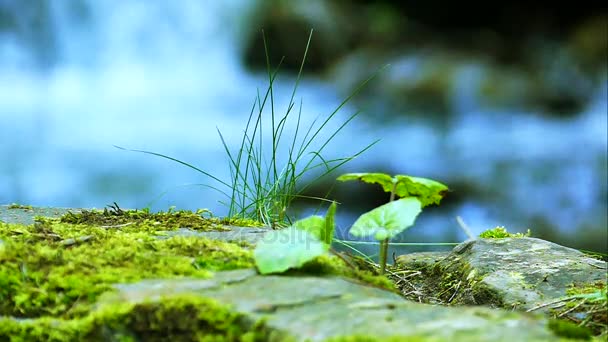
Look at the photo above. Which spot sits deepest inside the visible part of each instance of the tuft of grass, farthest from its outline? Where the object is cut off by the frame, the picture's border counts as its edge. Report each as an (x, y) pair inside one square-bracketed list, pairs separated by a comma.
[(265, 180)]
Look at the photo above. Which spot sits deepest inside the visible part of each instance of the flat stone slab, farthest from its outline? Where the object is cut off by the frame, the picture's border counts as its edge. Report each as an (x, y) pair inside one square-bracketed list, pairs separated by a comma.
[(251, 235), (310, 308), (25, 214)]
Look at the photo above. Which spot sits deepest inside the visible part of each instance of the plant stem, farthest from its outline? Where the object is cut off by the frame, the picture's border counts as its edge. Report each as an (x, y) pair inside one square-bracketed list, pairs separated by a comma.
[(383, 255), (384, 243)]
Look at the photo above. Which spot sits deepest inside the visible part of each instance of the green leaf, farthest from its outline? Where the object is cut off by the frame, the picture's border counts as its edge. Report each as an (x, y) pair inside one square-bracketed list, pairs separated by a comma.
[(321, 227), (388, 220), (427, 190), (312, 224), (330, 224), (287, 248), (383, 179)]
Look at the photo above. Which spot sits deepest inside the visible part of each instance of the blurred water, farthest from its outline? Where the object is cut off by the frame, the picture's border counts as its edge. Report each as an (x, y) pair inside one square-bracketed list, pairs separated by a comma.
[(162, 76)]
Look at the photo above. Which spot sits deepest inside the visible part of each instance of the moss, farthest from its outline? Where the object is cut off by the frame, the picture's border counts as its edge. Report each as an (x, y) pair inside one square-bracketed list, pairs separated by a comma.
[(501, 233), (569, 330), (53, 272), (596, 255), (589, 288), (333, 265), (175, 318), (20, 206), (450, 282), (171, 219), (363, 338), (586, 306), (59, 269)]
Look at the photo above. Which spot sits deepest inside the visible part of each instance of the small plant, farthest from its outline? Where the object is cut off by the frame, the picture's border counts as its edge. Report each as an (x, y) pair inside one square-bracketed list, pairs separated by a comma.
[(297, 244), (501, 232), (388, 220)]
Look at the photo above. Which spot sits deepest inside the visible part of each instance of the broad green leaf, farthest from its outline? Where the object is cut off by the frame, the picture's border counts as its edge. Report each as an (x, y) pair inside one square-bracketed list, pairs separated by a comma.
[(312, 224), (383, 179), (427, 190), (321, 227), (287, 248), (330, 224), (381, 235), (388, 220)]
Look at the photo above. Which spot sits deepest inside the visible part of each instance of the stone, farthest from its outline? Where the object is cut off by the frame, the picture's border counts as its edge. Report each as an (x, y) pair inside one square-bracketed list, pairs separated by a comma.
[(313, 308), (518, 273)]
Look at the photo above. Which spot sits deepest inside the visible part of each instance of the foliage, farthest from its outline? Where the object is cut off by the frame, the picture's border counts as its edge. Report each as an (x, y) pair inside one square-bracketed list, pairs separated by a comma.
[(501, 232), (296, 245), (426, 190), (388, 220)]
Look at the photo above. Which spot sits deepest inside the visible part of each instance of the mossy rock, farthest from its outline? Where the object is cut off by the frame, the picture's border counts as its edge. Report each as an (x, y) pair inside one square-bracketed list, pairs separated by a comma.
[(513, 272), (122, 275)]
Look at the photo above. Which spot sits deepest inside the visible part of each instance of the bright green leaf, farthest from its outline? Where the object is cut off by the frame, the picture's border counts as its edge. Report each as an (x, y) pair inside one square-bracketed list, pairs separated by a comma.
[(388, 220), (383, 179), (427, 190), (381, 235), (312, 224), (287, 248), (330, 224), (321, 227)]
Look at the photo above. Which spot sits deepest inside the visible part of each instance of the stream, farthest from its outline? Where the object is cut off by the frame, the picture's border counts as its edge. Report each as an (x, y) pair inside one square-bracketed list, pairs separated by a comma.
[(164, 77)]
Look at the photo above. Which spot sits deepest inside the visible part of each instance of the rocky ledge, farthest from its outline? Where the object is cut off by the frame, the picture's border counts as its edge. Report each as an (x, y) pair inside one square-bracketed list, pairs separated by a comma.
[(119, 275)]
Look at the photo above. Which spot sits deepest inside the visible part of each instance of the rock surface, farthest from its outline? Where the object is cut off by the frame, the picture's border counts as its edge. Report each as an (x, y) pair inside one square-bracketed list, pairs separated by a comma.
[(234, 234), (517, 272), (313, 308), (237, 302), (523, 274), (25, 215)]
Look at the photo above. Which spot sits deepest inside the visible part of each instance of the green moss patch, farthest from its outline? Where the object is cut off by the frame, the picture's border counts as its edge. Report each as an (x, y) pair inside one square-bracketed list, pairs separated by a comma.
[(333, 265), (20, 206), (585, 308), (569, 330), (53, 268), (171, 219), (501, 233), (175, 318)]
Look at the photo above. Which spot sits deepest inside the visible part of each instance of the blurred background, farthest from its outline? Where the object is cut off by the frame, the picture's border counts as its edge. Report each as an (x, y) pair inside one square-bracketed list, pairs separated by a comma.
[(504, 103)]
